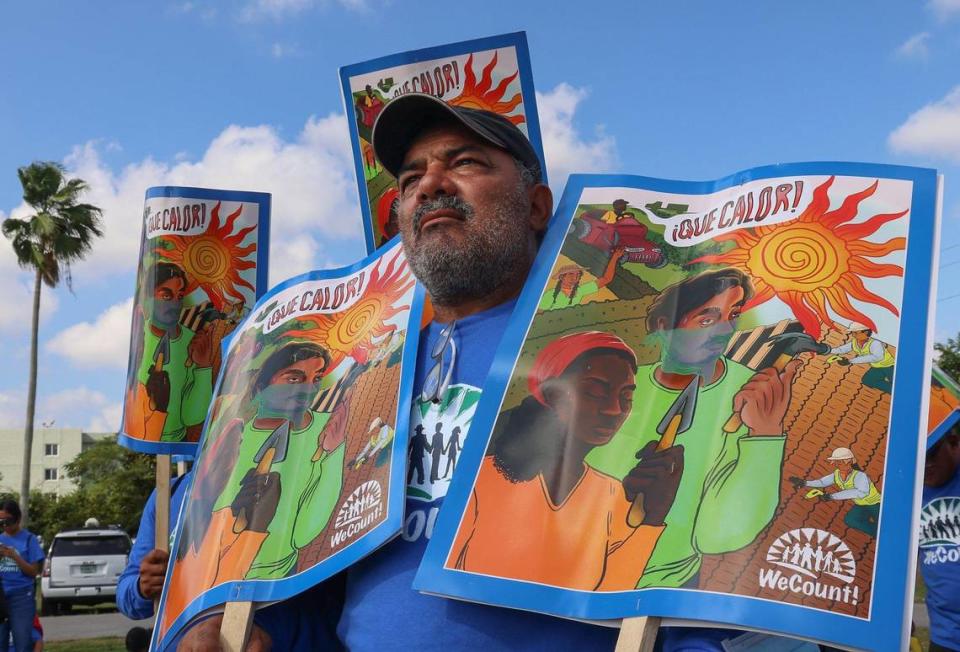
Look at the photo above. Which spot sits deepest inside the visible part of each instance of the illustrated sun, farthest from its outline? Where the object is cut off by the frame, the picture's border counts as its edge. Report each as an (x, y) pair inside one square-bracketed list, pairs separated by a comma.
[(815, 263), (480, 96), (357, 331), (213, 261)]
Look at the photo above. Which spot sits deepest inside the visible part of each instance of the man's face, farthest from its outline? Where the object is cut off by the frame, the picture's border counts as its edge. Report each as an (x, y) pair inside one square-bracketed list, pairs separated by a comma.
[(860, 337), (170, 290), (941, 462), (845, 466), (292, 388), (619, 207), (702, 335), (464, 214), (595, 399)]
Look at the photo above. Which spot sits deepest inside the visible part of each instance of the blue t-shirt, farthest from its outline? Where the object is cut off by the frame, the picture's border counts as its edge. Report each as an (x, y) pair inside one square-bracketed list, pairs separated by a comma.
[(129, 600), (25, 542), (381, 611), (940, 560)]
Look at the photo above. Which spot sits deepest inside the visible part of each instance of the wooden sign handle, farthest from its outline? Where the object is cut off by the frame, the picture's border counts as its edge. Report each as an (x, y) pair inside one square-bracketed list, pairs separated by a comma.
[(162, 504), (236, 626), (638, 634)]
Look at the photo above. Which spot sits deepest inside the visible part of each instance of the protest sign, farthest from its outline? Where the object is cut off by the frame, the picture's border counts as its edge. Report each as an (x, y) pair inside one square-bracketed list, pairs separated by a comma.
[(300, 472), (706, 406), (490, 73), (202, 265), (944, 405)]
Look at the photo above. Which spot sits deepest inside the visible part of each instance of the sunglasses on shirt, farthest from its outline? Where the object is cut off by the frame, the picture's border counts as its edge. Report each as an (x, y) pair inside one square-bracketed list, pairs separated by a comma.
[(436, 382)]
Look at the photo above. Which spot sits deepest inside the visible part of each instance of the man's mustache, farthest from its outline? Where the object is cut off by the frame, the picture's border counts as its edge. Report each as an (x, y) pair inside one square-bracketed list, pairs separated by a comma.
[(450, 202)]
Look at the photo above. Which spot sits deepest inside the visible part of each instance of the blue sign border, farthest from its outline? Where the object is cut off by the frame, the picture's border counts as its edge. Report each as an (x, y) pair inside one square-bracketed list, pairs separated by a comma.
[(265, 591), (263, 201), (517, 40), (896, 544)]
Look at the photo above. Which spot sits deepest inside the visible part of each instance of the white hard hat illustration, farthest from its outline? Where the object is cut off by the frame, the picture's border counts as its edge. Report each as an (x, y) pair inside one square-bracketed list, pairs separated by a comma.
[(841, 454), (857, 326)]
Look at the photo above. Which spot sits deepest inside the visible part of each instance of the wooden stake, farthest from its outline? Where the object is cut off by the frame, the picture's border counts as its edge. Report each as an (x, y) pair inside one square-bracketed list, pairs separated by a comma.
[(236, 626), (162, 541), (181, 467), (638, 634)]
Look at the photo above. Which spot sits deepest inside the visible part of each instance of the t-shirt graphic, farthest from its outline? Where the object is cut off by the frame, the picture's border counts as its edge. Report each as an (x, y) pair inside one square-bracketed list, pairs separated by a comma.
[(940, 560), (940, 528), (437, 435)]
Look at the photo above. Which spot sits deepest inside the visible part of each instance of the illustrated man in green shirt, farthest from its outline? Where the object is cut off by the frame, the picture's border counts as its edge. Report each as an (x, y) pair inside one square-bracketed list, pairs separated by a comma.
[(175, 373), (569, 291), (731, 481), (287, 449)]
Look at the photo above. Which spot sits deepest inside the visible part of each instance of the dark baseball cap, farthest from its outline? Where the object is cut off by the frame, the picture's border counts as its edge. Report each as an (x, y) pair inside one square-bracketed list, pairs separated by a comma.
[(402, 120)]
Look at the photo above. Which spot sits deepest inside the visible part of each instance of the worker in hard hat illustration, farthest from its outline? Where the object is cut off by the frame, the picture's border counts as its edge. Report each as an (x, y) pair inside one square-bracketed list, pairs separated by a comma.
[(850, 483), (867, 350)]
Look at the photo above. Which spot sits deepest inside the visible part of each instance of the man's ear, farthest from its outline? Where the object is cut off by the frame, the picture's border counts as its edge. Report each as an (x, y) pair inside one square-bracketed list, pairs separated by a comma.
[(541, 207)]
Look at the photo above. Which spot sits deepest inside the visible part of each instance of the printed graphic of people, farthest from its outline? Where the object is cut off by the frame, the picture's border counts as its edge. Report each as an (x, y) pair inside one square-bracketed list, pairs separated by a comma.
[(452, 449), (867, 350), (569, 291), (435, 448), (850, 483), (806, 556), (379, 435), (418, 448)]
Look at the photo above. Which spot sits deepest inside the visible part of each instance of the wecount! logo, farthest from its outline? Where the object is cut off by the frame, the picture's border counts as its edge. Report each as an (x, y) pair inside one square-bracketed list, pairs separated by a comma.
[(813, 563), (362, 508)]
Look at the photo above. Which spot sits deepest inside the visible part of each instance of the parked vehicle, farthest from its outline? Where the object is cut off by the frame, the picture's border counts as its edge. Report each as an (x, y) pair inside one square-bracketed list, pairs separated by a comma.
[(82, 567), (626, 232)]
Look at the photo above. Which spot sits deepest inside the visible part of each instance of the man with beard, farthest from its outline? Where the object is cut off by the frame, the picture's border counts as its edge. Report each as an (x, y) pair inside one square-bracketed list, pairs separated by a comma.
[(731, 482), (472, 211)]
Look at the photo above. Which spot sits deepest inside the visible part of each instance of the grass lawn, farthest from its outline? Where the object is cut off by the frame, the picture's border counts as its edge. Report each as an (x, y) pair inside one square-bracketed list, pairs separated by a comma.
[(112, 644)]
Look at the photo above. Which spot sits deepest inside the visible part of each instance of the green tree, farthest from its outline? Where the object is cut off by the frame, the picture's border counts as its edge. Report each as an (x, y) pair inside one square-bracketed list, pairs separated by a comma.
[(949, 359), (59, 232)]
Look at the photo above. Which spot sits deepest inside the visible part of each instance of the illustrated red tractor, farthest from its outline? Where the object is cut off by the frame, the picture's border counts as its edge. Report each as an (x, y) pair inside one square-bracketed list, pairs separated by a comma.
[(627, 232)]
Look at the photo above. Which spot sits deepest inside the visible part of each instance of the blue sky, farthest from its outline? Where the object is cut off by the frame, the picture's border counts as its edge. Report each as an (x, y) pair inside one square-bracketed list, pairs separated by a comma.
[(245, 95)]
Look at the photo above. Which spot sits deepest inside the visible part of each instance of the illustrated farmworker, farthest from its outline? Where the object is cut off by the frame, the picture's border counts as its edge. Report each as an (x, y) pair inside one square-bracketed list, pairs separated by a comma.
[(940, 556), (731, 481), (581, 388), (472, 210), (569, 291), (849, 483), (380, 434), (867, 350), (618, 212), (171, 391)]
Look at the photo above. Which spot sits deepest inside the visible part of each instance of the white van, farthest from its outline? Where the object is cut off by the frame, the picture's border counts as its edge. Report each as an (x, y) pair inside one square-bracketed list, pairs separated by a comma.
[(82, 567)]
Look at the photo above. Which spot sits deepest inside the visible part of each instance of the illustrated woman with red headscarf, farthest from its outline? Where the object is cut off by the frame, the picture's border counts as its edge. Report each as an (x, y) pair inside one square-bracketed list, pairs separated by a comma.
[(537, 512)]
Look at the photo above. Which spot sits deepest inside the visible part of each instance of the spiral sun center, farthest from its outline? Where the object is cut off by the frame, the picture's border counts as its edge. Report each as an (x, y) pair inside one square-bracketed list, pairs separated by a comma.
[(802, 259)]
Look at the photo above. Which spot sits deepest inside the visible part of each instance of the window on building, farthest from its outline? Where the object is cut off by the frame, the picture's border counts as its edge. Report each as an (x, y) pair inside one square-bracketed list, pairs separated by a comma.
[(51, 449), (51, 474)]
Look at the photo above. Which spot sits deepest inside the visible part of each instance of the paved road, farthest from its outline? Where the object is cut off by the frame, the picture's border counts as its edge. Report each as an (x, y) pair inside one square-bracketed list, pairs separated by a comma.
[(89, 625)]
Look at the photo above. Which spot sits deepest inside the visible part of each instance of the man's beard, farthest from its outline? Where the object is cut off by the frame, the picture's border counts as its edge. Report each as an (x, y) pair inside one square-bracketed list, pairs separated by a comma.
[(487, 257)]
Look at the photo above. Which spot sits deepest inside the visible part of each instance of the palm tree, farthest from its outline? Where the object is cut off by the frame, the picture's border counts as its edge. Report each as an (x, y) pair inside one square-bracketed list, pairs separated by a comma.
[(60, 231)]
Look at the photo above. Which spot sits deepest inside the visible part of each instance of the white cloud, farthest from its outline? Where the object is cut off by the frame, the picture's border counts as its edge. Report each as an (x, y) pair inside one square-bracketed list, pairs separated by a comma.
[(107, 419), (282, 9), (310, 176), (103, 343), (566, 150), (915, 47), (944, 8), (285, 50), (934, 130), (16, 290)]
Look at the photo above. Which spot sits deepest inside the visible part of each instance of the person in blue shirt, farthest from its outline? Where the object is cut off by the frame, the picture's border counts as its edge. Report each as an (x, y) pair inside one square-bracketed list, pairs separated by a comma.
[(940, 541), (142, 580), (472, 209), (20, 561)]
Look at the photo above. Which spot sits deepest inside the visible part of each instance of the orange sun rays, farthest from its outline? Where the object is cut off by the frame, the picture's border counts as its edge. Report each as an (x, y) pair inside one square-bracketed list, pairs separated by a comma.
[(480, 95), (214, 261), (357, 331), (815, 263)]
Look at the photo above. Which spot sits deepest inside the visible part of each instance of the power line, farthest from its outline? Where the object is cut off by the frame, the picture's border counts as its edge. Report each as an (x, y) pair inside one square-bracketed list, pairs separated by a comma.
[(952, 296)]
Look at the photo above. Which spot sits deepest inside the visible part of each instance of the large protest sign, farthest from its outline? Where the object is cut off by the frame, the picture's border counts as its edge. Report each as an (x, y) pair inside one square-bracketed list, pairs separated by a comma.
[(300, 470), (944, 405), (202, 266), (490, 73), (707, 406)]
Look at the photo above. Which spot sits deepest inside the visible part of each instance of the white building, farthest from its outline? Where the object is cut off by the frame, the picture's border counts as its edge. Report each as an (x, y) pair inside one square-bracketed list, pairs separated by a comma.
[(53, 448)]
